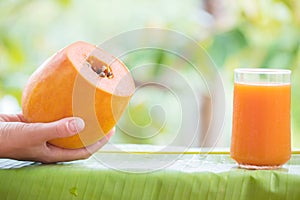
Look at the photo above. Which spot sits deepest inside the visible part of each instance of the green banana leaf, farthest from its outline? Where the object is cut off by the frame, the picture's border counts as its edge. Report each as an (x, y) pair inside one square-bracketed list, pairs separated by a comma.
[(140, 175)]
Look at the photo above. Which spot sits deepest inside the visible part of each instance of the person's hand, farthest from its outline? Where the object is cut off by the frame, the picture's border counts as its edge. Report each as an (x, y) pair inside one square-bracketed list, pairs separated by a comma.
[(28, 141)]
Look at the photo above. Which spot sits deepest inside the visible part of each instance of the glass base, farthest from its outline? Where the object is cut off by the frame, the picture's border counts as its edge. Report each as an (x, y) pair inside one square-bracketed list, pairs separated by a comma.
[(253, 167)]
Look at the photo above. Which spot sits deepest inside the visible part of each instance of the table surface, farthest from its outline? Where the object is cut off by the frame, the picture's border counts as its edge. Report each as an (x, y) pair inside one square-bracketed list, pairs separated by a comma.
[(148, 172)]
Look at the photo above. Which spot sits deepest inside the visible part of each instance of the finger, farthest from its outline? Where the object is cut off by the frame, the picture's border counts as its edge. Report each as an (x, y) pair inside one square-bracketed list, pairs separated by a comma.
[(11, 118), (59, 129), (59, 154), (95, 147)]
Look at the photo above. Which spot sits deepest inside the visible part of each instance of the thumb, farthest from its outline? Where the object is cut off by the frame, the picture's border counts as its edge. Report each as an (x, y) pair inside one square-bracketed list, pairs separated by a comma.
[(59, 129)]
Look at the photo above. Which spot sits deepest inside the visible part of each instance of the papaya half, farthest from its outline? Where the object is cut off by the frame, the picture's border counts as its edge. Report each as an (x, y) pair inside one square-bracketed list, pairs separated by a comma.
[(80, 80)]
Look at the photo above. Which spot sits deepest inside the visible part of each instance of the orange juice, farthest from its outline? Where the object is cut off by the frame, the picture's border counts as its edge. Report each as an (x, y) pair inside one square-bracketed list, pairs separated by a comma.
[(261, 124)]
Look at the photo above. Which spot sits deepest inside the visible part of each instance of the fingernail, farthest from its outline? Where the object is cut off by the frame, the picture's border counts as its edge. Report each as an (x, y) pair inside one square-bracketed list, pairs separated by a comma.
[(76, 125)]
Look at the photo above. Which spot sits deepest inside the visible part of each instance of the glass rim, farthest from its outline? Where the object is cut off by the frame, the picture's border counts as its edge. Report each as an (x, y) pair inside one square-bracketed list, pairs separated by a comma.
[(261, 71)]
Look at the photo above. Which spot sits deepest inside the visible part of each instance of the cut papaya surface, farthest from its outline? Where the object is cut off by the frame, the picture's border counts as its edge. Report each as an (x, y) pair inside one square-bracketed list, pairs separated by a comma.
[(80, 80)]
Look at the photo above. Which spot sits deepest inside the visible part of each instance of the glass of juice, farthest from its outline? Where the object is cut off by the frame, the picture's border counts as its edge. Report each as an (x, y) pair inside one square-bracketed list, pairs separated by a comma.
[(261, 118)]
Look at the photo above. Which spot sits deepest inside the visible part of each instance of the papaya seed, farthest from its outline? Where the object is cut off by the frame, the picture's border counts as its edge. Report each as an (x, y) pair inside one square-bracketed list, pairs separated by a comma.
[(102, 74)]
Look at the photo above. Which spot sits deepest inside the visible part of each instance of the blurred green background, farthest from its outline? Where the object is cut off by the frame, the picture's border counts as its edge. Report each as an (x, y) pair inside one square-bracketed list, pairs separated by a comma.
[(250, 33)]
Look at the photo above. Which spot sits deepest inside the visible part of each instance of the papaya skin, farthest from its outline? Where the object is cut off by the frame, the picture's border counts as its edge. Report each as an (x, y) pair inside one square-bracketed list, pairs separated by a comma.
[(67, 85)]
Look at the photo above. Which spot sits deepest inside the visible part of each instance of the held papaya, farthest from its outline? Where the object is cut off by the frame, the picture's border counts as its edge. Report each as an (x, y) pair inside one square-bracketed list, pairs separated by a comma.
[(80, 80)]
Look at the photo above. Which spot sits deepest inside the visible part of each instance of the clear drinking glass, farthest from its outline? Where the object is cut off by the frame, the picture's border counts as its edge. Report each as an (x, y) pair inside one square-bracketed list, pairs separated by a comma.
[(261, 118)]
